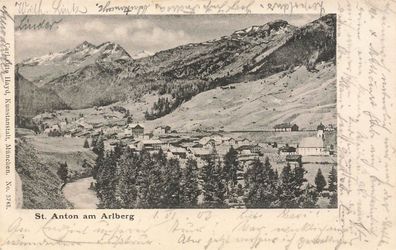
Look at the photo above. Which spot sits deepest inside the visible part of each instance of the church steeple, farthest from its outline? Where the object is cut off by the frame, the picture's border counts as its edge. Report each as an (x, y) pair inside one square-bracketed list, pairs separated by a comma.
[(320, 131)]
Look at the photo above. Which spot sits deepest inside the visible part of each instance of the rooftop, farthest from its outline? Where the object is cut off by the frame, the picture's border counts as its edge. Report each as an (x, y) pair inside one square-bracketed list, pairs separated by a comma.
[(151, 141), (134, 125), (311, 142), (284, 125)]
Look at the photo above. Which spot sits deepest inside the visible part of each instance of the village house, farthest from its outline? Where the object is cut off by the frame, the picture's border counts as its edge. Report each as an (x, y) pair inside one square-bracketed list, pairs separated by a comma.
[(110, 131), (137, 130), (63, 125), (149, 144), (330, 127), (294, 160), (313, 145), (84, 125), (67, 134), (230, 141), (285, 127), (287, 150), (255, 149), (132, 147), (81, 134), (161, 130), (110, 144), (53, 130), (200, 152), (243, 141), (177, 152), (212, 140), (124, 135)]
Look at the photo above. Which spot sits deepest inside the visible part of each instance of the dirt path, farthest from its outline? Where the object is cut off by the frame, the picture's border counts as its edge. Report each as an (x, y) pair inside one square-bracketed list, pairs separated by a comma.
[(79, 194)]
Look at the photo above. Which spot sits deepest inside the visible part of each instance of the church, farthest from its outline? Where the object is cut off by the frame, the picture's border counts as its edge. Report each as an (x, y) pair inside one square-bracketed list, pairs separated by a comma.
[(313, 145)]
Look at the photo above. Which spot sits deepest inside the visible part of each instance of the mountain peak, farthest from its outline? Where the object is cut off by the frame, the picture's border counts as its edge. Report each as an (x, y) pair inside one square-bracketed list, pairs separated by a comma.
[(108, 43), (113, 50), (85, 45), (330, 19), (277, 23), (142, 54), (268, 28)]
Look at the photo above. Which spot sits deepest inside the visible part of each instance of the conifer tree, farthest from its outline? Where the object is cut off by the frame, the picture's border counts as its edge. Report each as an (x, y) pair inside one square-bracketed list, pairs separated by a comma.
[(320, 181), (333, 187), (98, 149), (290, 186), (309, 198), (231, 167), (98, 146), (189, 185), (128, 164), (334, 200), (171, 179), (86, 144), (106, 181), (63, 172), (333, 180), (213, 187), (261, 185), (150, 183), (285, 187)]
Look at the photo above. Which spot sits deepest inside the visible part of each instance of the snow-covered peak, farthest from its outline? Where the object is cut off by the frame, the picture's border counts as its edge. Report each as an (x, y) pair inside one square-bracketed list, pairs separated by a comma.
[(85, 51), (142, 54), (85, 45), (43, 59), (110, 50), (267, 28)]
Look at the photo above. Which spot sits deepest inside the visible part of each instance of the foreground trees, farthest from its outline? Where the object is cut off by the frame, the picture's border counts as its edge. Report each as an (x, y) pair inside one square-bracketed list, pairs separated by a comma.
[(320, 181), (126, 179), (333, 187), (261, 183), (63, 173), (213, 185), (145, 181), (189, 185)]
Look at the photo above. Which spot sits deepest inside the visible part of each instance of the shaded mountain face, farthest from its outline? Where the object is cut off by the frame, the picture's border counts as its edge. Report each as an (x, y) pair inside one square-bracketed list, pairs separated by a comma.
[(309, 45), (219, 58), (31, 100), (91, 75)]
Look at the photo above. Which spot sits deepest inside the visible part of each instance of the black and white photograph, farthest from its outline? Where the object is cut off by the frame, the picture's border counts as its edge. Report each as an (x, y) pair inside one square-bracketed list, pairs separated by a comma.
[(176, 111)]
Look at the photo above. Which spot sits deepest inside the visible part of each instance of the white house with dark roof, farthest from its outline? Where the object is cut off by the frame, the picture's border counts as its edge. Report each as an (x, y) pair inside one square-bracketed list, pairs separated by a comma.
[(285, 127), (137, 130), (149, 144), (312, 146)]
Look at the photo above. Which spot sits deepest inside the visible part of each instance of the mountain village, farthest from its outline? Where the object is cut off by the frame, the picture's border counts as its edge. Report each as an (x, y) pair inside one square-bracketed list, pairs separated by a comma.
[(134, 131), (315, 147)]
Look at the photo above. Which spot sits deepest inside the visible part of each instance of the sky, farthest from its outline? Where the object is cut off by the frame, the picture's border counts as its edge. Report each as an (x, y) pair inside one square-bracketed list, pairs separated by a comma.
[(134, 33)]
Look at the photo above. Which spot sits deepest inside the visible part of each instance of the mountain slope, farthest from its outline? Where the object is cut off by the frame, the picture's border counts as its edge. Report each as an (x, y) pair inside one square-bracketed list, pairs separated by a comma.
[(41, 70), (220, 57), (245, 55), (300, 96), (31, 100), (38, 191)]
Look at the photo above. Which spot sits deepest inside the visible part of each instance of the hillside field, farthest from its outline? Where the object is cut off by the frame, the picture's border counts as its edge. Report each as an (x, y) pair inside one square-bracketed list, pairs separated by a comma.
[(302, 97)]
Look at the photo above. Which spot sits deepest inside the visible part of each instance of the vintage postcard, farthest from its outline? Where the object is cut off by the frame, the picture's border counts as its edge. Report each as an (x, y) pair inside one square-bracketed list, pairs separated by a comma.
[(197, 124)]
